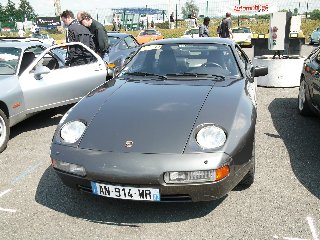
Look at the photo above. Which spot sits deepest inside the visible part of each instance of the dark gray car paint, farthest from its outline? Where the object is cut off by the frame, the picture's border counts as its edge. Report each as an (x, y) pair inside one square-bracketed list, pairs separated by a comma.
[(223, 103)]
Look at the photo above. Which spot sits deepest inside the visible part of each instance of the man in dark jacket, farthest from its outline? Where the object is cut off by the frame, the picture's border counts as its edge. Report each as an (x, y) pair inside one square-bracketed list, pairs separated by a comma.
[(77, 33), (225, 27), (99, 33)]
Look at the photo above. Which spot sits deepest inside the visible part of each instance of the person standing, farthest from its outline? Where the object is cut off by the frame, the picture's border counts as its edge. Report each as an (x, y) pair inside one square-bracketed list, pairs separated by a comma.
[(119, 23), (171, 21), (204, 28), (226, 27), (21, 32), (99, 33), (76, 33), (114, 23)]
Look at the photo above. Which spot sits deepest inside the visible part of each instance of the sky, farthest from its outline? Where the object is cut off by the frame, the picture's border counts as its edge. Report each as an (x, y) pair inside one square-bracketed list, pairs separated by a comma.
[(104, 7), (46, 6)]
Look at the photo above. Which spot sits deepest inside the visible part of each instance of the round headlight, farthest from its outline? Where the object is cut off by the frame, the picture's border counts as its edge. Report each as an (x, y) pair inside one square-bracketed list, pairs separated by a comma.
[(210, 137), (72, 131)]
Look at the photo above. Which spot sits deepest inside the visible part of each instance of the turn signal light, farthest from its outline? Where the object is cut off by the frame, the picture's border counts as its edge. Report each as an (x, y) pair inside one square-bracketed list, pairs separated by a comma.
[(222, 172), (111, 65)]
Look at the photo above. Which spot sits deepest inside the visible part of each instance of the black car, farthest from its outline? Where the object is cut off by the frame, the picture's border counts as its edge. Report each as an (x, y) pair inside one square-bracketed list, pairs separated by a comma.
[(176, 124), (122, 47), (309, 91)]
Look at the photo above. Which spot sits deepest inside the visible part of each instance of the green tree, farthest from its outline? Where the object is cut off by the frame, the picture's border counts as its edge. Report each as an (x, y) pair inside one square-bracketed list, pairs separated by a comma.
[(10, 11), (1, 14), (315, 14), (25, 10), (189, 8), (9, 15)]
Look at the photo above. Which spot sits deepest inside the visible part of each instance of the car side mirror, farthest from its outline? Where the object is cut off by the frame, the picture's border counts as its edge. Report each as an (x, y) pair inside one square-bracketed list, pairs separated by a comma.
[(110, 73), (41, 70), (259, 71)]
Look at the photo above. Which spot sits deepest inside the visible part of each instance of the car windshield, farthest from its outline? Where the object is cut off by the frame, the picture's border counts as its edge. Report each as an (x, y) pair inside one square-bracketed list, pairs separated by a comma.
[(241, 30), (148, 32), (192, 31), (40, 36), (9, 59), (113, 40), (181, 60)]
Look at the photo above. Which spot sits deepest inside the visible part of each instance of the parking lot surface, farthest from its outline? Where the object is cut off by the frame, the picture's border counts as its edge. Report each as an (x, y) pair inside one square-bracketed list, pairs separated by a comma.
[(283, 202)]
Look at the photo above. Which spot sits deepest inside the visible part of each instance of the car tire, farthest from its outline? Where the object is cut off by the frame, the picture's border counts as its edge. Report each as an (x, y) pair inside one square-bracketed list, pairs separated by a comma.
[(248, 179), (303, 106), (4, 131)]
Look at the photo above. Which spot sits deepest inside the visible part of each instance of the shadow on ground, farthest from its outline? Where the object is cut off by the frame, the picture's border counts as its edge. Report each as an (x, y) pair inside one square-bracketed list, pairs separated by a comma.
[(53, 194), (40, 120), (301, 135)]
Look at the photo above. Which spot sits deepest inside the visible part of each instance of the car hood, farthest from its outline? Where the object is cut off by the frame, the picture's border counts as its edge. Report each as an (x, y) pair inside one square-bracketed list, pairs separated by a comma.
[(315, 34), (241, 36), (146, 117)]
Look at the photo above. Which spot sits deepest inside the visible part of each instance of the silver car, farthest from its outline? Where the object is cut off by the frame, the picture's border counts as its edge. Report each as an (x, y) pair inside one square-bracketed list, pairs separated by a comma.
[(34, 78)]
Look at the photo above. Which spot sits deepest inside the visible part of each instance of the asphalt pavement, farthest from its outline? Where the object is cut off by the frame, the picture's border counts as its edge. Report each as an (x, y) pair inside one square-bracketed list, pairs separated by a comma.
[(283, 202)]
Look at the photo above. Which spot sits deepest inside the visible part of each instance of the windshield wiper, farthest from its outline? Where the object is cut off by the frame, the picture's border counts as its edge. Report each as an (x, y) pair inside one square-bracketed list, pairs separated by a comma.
[(145, 74), (189, 74)]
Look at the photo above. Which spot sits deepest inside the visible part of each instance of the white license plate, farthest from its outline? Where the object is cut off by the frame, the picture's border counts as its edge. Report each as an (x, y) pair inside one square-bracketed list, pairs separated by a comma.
[(132, 193)]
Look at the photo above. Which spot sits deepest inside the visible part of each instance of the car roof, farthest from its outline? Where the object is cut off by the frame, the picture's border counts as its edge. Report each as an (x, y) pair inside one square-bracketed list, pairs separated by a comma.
[(22, 43), (192, 40)]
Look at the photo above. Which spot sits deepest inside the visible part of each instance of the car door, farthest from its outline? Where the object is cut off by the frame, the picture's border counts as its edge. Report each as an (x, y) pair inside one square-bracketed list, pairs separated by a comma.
[(59, 83), (124, 49)]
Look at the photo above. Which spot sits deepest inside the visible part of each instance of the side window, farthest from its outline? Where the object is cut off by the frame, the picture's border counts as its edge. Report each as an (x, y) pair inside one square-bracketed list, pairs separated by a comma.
[(36, 49), (131, 42), (315, 55), (123, 45), (78, 55), (317, 58), (243, 57)]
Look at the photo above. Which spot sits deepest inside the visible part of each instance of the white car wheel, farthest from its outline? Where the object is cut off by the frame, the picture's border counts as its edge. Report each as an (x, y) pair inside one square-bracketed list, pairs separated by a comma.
[(4, 131)]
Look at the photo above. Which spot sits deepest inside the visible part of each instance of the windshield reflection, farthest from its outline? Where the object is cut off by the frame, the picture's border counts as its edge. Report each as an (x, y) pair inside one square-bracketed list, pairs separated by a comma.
[(184, 60)]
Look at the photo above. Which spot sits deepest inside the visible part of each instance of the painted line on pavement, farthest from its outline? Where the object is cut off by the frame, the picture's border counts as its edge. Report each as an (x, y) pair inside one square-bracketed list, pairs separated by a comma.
[(6, 209), (25, 173), (312, 228)]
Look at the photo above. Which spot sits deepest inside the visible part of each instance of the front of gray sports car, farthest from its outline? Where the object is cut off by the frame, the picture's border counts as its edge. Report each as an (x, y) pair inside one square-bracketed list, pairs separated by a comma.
[(163, 130)]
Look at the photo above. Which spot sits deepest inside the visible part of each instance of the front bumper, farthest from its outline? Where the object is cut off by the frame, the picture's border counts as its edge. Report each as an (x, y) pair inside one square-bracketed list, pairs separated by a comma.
[(147, 170), (244, 43)]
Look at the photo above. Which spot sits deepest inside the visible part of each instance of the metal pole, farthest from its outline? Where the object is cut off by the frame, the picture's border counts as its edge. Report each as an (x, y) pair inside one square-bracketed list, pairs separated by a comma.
[(147, 16), (239, 16), (176, 16), (207, 8)]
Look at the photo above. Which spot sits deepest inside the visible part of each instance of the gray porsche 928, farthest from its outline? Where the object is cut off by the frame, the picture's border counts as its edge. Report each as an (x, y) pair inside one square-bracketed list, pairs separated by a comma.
[(176, 124)]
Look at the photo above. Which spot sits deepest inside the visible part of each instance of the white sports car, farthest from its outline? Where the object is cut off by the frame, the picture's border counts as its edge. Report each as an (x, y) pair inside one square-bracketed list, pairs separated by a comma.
[(191, 33), (34, 78), (242, 36)]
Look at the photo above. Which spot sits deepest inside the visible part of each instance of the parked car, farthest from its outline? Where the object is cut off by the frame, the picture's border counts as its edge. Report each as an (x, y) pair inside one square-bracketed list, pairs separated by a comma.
[(315, 36), (44, 38), (176, 124), (191, 33), (122, 48), (309, 90), (242, 36), (33, 78), (148, 35)]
